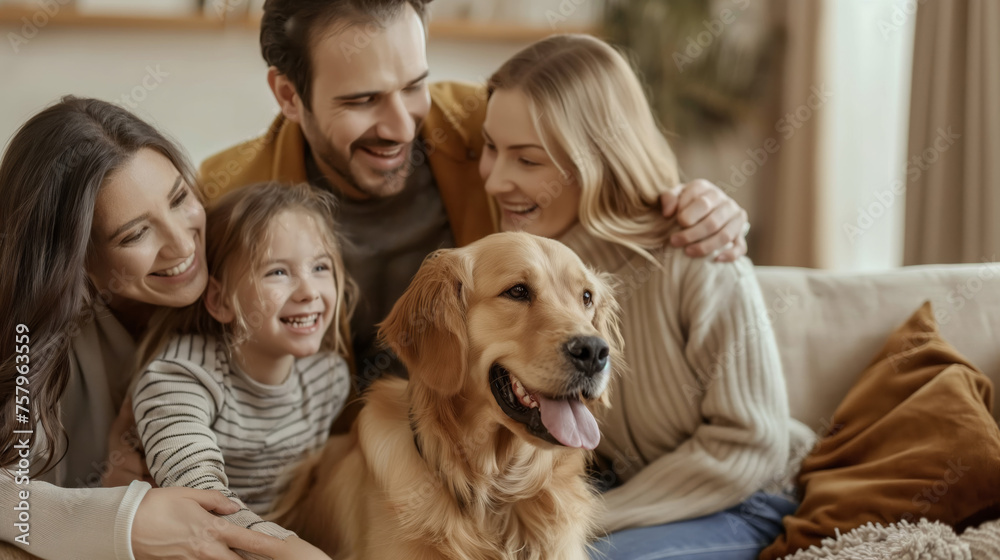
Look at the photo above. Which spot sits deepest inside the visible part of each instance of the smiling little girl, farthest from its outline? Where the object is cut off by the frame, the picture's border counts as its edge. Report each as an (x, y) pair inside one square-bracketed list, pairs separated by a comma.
[(251, 380)]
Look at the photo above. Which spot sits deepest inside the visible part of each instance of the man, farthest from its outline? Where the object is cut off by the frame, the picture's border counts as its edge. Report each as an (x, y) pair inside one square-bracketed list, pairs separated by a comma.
[(359, 118)]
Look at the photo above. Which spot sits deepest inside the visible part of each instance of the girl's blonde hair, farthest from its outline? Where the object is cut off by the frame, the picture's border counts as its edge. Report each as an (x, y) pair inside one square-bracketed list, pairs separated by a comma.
[(235, 245), (596, 124)]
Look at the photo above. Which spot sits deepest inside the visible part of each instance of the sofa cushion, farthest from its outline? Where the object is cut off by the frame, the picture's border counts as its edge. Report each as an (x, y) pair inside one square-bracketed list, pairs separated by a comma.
[(830, 323), (913, 438)]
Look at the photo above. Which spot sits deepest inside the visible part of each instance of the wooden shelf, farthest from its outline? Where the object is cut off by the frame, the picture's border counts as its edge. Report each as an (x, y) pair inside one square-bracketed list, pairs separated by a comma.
[(68, 17), (483, 31), (14, 16)]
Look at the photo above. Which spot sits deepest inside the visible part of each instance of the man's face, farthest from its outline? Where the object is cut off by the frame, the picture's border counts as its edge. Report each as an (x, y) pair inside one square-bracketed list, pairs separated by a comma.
[(369, 99)]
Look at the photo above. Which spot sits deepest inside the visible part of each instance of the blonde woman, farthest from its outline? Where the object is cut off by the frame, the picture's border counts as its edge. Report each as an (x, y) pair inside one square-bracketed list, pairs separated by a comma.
[(699, 425)]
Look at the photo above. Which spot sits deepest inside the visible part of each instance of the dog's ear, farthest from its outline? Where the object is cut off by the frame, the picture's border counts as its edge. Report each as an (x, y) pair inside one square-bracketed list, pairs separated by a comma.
[(606, 321), (427, 326)]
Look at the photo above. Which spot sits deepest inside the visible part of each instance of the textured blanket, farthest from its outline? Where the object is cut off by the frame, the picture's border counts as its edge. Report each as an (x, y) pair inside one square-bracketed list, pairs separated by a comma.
[(924, 540)]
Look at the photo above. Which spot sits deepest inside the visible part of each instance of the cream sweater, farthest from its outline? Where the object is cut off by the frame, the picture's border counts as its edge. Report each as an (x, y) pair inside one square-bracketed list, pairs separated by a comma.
[(71, 516), (700, 420)]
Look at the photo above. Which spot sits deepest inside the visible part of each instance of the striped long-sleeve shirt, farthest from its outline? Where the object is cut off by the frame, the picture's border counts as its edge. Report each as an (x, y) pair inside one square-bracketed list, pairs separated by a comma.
[(206, 424)]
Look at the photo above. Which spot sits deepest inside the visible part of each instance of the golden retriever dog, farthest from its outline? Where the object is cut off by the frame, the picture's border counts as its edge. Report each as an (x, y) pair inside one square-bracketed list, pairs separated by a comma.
[(481, 454)]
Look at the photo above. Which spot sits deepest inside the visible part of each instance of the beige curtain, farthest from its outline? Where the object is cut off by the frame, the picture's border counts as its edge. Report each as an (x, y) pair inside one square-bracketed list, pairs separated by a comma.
[(953, 165), (786, 228)]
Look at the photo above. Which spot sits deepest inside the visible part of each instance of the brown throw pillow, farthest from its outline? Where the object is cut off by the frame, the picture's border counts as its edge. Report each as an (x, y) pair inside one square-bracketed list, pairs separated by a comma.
[(914, 437)]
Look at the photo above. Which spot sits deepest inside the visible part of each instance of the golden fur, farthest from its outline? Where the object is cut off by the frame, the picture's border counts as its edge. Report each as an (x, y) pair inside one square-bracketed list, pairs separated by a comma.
[(480, 486)]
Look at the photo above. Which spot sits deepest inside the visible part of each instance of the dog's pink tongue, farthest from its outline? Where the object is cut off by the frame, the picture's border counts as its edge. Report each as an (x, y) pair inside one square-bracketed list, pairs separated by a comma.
[(569, 421)]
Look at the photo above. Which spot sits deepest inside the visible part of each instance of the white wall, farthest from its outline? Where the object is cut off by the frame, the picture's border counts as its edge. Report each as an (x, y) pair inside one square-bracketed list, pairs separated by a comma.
[(211, 93), (866, 121), (207, 87), (462, 60)]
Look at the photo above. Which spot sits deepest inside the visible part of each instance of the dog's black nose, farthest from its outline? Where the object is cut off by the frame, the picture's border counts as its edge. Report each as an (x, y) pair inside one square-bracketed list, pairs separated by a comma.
[(588, 353)]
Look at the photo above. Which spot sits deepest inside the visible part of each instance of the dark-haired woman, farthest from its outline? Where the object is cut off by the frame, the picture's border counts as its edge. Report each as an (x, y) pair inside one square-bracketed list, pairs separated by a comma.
[(101, 225)]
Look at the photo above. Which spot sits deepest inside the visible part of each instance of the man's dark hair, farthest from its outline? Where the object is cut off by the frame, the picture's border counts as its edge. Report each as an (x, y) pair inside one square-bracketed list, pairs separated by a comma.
[(289, 28)]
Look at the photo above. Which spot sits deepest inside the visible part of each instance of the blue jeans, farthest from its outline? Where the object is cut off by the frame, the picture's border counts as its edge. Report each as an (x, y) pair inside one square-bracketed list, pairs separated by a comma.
[(738, 533)]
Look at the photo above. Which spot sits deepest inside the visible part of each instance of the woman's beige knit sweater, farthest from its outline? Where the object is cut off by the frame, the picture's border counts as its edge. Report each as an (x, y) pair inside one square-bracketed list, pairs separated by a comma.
[(700, 420)]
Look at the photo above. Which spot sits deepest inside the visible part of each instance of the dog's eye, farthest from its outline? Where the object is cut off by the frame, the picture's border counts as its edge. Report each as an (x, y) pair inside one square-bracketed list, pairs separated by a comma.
[(588, 299), (518, 292)]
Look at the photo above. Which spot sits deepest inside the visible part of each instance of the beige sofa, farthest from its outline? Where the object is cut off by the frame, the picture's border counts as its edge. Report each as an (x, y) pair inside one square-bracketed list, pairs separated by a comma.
[(830, 325)]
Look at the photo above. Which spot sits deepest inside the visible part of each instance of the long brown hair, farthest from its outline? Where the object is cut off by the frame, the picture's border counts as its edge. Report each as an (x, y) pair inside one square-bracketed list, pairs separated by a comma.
[(235, 245), (49, 180)]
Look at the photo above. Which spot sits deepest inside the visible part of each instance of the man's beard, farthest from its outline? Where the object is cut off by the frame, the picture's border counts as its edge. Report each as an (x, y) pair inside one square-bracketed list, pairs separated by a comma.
[(393, 181)]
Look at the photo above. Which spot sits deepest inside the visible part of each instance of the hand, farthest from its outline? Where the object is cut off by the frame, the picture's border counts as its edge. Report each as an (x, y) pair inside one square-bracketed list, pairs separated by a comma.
[(712, 221), (295, 548), (175, 524), (126, 461)]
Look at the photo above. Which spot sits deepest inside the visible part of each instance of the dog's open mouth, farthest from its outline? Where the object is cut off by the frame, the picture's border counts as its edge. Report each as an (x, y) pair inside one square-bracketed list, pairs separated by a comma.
[(560, 420)]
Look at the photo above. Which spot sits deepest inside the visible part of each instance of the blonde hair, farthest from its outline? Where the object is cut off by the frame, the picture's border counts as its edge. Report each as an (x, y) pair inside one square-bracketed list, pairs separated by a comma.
[(596, 124), (236, 240)]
